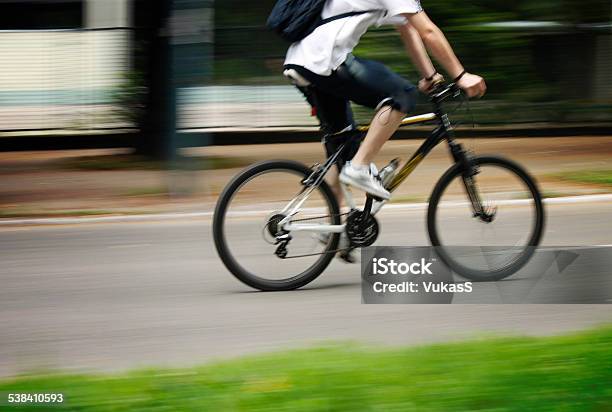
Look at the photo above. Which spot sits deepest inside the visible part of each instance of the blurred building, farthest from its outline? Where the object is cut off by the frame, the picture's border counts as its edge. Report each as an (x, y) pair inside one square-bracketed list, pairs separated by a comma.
[(84, 65), (62, 62)]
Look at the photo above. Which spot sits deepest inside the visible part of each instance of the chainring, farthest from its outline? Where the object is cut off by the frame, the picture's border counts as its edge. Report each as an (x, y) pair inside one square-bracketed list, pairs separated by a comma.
[(361, 231)]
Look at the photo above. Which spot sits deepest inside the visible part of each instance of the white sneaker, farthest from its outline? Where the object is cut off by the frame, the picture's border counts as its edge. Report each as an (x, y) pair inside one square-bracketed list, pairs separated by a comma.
[(362, 178)]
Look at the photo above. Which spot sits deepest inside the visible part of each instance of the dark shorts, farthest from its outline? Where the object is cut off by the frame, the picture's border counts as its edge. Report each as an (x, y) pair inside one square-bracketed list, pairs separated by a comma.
[(364, 82)]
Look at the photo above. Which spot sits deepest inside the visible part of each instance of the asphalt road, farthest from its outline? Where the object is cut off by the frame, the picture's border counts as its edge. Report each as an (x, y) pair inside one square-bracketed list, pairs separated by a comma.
[(113, 296)]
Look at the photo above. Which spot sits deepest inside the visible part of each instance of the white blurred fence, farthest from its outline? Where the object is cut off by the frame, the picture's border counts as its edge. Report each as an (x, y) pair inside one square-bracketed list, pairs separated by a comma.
[(76, 80), (61, 79)]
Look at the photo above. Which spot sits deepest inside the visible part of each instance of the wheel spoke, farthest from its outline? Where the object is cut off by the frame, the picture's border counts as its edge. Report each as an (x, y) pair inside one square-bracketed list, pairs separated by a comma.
[(255, 247)]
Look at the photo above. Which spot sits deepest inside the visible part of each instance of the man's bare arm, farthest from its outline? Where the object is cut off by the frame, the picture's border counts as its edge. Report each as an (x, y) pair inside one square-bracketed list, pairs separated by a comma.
[(418, 54), (436, 42), (416, 50), (441, 50)]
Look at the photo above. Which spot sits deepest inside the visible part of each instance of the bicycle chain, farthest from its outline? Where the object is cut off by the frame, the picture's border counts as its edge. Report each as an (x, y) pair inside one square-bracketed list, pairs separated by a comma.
[(322, 253), (320, 217), (319, 254)]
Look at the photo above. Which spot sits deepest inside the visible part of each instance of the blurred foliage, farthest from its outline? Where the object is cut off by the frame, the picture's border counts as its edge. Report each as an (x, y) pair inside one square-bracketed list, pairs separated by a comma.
[(455, 12), (597, 177), (138, 162), (567, 373), (553, 65), (129, 98)]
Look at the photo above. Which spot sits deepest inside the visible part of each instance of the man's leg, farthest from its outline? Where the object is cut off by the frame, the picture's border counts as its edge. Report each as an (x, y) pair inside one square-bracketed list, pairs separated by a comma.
[(333, 179), (335, 115), (385, 123), (357, 172), (372, 84)]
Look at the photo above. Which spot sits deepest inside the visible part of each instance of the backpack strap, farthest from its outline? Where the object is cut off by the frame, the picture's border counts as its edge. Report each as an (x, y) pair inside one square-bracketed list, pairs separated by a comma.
[(344, 15)]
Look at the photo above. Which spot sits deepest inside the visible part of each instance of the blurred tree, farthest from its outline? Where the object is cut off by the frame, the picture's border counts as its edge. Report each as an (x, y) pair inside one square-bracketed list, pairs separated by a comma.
[(521, 65)]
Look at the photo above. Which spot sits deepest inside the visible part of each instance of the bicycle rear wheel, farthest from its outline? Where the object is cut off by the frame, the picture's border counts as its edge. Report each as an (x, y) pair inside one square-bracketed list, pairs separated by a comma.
[(501, 240), (245, 226)]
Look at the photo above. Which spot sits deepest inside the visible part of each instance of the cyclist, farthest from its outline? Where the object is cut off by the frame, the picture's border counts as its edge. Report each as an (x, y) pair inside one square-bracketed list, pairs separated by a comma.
[(324, 61)]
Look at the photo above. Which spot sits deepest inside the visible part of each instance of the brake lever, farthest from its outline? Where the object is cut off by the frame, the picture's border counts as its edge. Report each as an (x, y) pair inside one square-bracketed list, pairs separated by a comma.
[(455, 89)]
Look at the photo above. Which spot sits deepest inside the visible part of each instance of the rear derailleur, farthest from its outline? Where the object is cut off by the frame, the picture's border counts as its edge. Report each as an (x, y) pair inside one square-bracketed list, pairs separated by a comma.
[(282, 237)]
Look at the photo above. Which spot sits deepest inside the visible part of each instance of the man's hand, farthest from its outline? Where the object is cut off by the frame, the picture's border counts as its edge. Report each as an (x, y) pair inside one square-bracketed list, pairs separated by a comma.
[(425, 86), (472, 84)]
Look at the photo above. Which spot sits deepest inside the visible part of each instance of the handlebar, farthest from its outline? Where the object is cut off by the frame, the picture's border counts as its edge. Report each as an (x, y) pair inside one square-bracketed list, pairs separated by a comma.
[(443, 91)]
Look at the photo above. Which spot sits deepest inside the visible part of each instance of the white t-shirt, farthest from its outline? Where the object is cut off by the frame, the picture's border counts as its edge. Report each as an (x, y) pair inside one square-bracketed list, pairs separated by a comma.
[(327, 47)]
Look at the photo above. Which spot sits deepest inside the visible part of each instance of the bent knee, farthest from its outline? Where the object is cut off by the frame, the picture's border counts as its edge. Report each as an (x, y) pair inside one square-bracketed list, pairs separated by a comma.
[(405, 101)]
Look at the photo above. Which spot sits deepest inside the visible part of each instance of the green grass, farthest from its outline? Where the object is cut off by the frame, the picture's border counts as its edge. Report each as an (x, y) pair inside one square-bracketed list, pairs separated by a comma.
[(23, 213), (546, 194), (134, 162), (566, 373), (598, 177)]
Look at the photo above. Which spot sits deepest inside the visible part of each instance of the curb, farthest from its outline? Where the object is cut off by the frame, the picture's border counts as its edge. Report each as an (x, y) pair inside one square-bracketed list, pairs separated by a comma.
[(195, 215)]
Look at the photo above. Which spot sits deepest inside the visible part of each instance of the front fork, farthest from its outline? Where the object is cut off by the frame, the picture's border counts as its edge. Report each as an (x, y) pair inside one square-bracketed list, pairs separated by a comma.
[(469, 170)]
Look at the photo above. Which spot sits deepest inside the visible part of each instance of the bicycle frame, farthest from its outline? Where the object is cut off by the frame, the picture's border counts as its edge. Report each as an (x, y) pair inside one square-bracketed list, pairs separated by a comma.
[(444, 131)]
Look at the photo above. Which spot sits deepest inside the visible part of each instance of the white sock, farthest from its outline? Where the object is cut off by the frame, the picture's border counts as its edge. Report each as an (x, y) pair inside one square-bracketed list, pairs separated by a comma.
[(363, 168)]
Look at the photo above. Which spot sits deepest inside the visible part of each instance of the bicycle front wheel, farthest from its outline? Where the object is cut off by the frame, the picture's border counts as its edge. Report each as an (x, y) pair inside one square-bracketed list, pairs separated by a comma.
[(496, 240), (246, 226)]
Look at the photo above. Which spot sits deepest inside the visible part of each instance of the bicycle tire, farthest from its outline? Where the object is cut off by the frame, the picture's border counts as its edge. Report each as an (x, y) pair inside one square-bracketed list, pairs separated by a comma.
[(232, 264), (536, 235)]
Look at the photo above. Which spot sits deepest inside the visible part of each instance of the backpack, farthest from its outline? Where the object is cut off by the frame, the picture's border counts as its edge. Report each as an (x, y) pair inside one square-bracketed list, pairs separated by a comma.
[(293, 20)]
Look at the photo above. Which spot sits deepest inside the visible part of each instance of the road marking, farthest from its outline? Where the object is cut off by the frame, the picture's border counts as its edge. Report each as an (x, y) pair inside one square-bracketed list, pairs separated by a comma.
[(191, 215)]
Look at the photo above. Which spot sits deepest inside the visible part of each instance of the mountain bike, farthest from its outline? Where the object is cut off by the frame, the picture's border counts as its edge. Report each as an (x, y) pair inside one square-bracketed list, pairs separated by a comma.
[(277, 224)]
